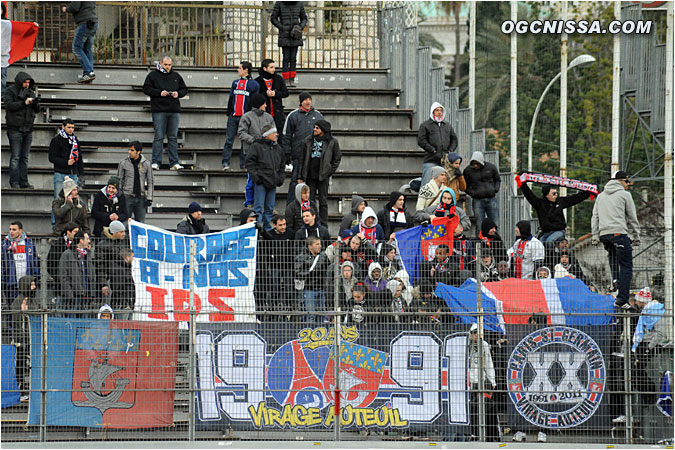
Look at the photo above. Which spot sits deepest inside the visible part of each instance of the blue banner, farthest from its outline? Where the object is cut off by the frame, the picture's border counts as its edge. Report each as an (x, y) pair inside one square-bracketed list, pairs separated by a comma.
[(10, 388)]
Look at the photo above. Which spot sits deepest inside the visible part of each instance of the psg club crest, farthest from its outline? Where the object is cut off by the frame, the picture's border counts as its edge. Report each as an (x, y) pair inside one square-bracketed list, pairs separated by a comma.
[(556, 377)]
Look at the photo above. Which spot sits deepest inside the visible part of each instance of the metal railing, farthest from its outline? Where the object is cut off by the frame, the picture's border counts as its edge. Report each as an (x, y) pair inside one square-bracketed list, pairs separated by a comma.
[(207, 35)]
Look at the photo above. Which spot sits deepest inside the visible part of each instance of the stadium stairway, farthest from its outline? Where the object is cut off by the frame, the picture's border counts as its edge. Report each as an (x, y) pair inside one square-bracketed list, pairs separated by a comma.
[(379, 147)]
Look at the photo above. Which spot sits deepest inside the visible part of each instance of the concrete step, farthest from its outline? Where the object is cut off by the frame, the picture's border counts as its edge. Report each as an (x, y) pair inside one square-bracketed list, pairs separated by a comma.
[(323, 97), (198, 77), (209, 118)]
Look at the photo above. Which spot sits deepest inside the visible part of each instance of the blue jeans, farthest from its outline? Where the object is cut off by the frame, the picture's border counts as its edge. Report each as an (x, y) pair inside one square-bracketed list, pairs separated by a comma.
[(552, 236), (83, 40), (19, 146), (315, 302), (620, 253), (4, 79), (232, 127), (166, 124), (426, 173), (483, 207), (290, 55), (249, 192), (58, 185), (136, 207), (264, 203)]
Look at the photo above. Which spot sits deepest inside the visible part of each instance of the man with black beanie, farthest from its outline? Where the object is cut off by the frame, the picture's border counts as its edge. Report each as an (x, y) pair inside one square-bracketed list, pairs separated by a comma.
[(274, 89), (193, 222), (250, 130), (298, 127), (320, 159)]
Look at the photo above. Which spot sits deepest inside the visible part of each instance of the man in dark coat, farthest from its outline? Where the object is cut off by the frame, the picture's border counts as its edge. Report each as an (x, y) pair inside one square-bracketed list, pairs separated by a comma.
[(320, 159), (353, 217), (165, 86), (290, 19), (274, 89), (113, 268), (276, 250), (265, 165), (193, 222), (66, 155), (437, 138), (549, 209), (80, 288), (311, 227), (110, 204), (394, 216), (482, 184), (21, 104)]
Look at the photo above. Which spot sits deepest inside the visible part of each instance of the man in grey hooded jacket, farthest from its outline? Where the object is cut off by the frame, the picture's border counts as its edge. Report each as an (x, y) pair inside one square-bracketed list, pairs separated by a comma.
[(437, 138), (615, 224)]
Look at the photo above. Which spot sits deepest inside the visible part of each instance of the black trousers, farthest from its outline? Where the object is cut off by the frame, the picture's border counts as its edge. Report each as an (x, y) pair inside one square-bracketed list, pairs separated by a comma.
[(322, 188)]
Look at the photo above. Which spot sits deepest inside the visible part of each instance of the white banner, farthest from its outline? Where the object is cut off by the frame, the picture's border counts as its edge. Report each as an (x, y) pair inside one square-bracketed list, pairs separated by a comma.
[(224, 275)]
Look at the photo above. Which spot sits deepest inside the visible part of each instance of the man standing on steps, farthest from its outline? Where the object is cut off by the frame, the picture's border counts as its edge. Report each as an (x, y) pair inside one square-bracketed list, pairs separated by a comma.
[(319, 161), (437, 138), (299, 126), (250, 130), (165, 86), (85, 17), (136, 181), (482, 184), (274, 89), (64, 153), (238, 104), (615, 224)]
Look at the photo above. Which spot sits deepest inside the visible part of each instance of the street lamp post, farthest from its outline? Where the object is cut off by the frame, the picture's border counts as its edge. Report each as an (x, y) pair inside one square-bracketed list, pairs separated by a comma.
[(579, 61)]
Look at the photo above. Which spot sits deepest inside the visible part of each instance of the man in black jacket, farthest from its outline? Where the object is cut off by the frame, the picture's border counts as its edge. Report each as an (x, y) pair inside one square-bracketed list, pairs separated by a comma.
[(66, 155), (110, 204), (21, 104), (265, 165), (276, 249), (311, 227), (482, 184), (437, 138), (164, 87), (320, 159), (274, 89), (549, 210), (85, 17)]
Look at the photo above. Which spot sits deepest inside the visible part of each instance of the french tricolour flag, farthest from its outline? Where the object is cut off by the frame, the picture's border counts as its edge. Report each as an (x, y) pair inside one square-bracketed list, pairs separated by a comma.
[(514, 300), (21, 39)]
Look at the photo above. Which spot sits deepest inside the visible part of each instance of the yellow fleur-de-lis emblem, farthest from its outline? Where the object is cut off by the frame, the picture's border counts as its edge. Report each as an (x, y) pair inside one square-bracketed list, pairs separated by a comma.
[(376, 359), (359, 354)]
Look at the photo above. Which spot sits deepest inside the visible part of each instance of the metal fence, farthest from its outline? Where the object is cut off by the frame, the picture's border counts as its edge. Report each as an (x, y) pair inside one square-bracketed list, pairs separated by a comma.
[(235, 336), (207, 35)]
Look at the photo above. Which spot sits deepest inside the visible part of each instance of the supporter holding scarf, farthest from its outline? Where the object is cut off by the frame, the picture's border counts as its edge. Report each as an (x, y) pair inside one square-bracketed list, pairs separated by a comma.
[(368, 228), (394, 216)]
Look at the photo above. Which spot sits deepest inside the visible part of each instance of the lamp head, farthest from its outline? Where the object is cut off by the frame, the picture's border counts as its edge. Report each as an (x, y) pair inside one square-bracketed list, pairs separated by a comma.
[(582, 61)]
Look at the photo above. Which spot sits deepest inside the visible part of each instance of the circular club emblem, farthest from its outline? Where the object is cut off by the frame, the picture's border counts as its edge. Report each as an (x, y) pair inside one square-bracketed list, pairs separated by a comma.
[(556, 377)]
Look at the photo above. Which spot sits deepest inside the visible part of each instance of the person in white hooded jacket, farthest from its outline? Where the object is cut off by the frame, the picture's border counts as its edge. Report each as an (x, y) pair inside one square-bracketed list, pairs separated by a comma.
[(437, 138), (368, 228)]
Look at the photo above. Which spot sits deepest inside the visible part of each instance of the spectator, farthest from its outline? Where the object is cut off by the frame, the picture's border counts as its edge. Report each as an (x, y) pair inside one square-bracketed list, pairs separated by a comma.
[(486, 371), (165, 86), (445, 208), (110, 204), (238, 104), (24, 302), (543, 272), (437, 138), (394, 216), (482, 184), (265, 165), (338, 253), (363, 253), (463, 257), (80, 287), (19, 259), (113, 268), (491, 239), (353, 217), (106, 312), (193, 222), (397, 301), (375, 284), (319, 161), (568, 266), (137, 181), (250, 129), (58, 245), (438, 270), (290, 19), (358, 306), (368, 228), (390, 262), (247, 215), (64, 153), (431, 191), (310, 275), (70, 208), (86, 20), (311, 227), (455, 176), (615, 224), (276, 248), (651, 331), (21, 104), (503, 270), (346, 284), (301, 203), (298, 127), (274, 89), (550, 208), (488, 268), (527, 252)]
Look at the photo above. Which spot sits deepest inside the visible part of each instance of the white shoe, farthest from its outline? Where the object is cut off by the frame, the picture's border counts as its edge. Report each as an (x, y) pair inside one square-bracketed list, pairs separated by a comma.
[(519, 436), (24, 398), (289, 168), (619, 419), (541, 437), (155, 166), (177, 167)]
